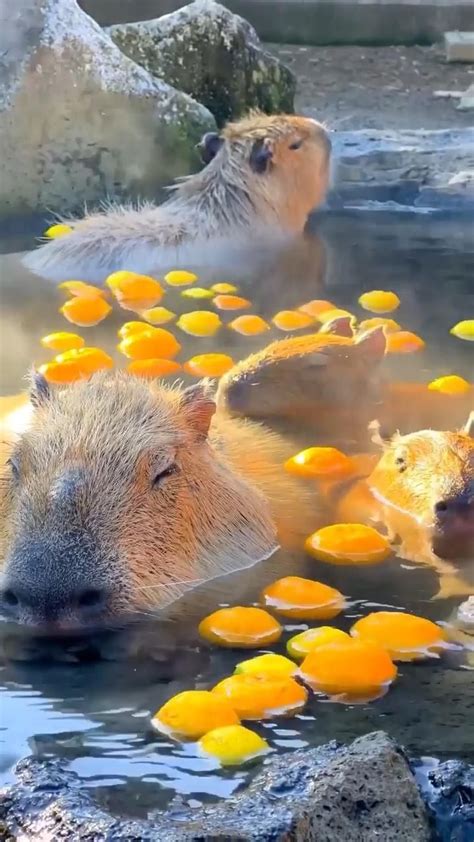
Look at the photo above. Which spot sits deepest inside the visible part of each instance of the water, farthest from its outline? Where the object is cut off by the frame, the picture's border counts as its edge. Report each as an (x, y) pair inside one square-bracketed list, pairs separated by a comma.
[(95, 713)]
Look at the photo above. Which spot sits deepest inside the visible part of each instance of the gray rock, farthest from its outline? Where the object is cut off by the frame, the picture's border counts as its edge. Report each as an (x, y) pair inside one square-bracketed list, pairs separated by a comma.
[(459, 46), (365, 791), (449, 791), (415, 168), (213, 55), (466, 101), (78, 120)]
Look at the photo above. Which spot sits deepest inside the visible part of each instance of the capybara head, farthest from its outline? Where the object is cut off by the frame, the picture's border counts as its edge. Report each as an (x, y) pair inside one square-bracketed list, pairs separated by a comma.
[(118, 503), (316, 375), (283, 160), (429, 475)]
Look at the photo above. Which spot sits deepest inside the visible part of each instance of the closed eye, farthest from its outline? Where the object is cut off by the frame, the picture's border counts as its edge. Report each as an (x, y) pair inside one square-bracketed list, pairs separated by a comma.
[(296, 144), (167, 472), (14, 466)]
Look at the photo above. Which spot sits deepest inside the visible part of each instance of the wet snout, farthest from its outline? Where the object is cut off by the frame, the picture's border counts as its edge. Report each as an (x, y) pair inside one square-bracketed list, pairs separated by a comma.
[(453, 535), (60, 591)]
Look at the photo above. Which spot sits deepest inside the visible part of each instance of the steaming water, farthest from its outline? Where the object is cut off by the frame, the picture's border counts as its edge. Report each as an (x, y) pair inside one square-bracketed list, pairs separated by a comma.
[(95, 714)]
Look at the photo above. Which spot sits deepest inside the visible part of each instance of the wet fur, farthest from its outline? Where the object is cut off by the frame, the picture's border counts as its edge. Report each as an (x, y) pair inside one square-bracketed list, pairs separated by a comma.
[(224, 203)]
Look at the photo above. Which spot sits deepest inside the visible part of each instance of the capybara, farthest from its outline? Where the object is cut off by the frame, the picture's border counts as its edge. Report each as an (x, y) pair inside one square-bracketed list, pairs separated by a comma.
[(292, 384), (263, 176), (120, 496), (330, 381), (421, 490)]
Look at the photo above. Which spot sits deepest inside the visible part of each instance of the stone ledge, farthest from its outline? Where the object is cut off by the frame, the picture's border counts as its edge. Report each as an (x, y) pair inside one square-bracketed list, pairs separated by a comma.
[(416, 169), (317, 21)]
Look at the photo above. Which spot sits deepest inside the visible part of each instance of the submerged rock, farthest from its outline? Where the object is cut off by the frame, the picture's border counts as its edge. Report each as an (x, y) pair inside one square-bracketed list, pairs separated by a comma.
[(213, 55), (79, 120), (361, 792), (450, 794)]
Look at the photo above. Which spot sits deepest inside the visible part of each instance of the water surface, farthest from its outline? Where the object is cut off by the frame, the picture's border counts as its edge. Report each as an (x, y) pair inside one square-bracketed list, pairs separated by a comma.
[(95, 714)]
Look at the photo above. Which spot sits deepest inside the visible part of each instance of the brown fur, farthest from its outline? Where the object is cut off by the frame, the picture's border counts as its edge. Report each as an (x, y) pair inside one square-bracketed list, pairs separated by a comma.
[(415, 473), (329, 380), (227, 200), (85, 469)]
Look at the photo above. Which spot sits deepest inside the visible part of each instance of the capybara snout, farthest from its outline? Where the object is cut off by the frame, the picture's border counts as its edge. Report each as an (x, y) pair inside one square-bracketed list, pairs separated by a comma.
[(429, 475)]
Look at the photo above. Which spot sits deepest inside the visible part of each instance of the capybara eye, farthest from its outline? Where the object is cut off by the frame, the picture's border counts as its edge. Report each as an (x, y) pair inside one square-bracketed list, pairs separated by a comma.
[(159, 477), (297, 144), (14, 466), (401, 463)]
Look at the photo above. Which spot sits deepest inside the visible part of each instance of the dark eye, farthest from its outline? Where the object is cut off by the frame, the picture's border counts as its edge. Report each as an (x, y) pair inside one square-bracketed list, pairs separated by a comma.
[(401, 464), (159, 477), (14, 466), (296, 145)]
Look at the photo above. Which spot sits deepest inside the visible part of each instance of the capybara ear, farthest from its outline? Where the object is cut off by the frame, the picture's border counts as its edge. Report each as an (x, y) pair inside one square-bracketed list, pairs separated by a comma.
[(468, 428), (261, 156), (198, 405), (209, 146), (40, 392), (339, 327), (372, 343), (378, 436)]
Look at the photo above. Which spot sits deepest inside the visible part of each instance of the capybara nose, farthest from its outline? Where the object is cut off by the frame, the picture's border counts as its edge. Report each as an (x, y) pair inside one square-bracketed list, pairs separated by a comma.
[(68, 608), (461, 505)]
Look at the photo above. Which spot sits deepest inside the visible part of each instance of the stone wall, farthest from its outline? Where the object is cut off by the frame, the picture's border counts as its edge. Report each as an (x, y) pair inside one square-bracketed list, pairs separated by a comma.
[(318, 21)]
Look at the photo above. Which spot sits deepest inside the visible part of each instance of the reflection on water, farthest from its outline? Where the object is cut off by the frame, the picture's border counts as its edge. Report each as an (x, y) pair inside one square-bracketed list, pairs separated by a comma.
[(96, 714)]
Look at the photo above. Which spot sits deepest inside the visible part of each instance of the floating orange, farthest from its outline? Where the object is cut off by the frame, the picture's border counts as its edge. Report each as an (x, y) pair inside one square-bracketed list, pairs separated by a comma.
[(132, 329), (261, 697), (58, 230), (85, 312), (292, 320), (240, 627), (197, 292), (268, 664), (316, 307), (61, 373), (249, 325), (389, 325), (305, 642), (320, 462), (406, 637), (224, 289), (303, 599), (404, 342), (231, 302), (131, 289), (199, 323), (179, 278), (233, 745), (153, 368), (452, 384), (151, 344), (464, 330), (193, 713), (209, 365), (352, 668), (348, 543), (88, 360), (158, 315), (379, 301), (62, 341), (82, 289)]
